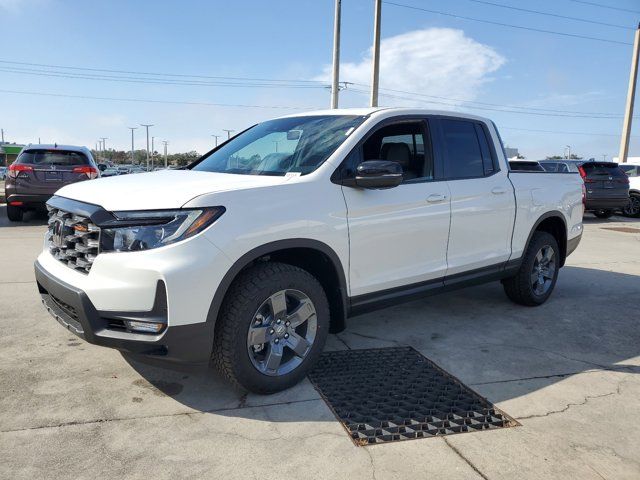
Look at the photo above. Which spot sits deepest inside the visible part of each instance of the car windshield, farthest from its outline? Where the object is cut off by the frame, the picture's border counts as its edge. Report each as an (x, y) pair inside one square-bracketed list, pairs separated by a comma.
[(52, 157), (278, 147)]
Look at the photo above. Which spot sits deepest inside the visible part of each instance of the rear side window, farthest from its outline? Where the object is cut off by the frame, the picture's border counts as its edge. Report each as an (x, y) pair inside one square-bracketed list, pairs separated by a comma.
[(630, 170), (52, 157), (464, 153)]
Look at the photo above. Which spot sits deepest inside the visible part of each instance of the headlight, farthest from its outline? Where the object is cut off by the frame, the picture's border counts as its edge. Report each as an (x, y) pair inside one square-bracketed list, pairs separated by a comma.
[(134, 231)]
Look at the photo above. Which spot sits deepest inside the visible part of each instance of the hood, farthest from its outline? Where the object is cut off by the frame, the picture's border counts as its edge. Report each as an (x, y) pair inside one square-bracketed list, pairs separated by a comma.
[(163, 189)]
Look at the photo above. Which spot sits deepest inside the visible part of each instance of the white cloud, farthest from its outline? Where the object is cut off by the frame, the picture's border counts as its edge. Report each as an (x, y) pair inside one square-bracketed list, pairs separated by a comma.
[(434, 61)]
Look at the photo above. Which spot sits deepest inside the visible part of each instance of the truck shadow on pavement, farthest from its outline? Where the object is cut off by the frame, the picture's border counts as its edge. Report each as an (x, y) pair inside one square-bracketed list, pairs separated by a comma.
[(502, 350)]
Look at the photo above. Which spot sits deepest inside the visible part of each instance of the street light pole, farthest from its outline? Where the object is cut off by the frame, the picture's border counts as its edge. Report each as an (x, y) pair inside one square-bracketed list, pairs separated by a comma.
[(153, 153), (228, 132), (165, 153), (631, 96), (336, 56), (147, 128), (104, 146), (216, 137), (375, 73), (568, 147), (132, 147)]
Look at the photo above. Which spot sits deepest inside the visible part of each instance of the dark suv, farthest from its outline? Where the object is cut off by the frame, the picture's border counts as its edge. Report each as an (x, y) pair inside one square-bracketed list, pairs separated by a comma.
[(40, 170), (606, 184)]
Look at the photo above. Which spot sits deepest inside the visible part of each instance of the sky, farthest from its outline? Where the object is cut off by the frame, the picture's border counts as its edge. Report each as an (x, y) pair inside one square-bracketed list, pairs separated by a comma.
[(75, 71)]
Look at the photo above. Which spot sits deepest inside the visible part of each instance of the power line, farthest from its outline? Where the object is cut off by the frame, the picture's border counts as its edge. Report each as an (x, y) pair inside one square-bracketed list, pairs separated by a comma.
[(549, 14), (520, 27), (139, 100), (594, 4), (555, 132), (158, 74), (156, 81), (612, 115), (474, 107)]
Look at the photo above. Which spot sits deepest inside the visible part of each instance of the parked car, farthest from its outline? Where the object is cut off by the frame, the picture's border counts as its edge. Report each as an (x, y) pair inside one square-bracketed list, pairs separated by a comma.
[(607, 186), (632, 209), (110, 172), (40, 170), (3, 173), (525, 166), (250, 267)]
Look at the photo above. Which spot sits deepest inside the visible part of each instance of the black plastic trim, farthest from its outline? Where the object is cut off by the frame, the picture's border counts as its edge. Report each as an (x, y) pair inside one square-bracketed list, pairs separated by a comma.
[(542, 218), (385, 298), (338, 317), (572, 244)]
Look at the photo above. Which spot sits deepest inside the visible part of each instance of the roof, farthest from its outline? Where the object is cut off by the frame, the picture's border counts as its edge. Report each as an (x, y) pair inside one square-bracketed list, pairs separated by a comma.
[(387, 112), (56, 146)]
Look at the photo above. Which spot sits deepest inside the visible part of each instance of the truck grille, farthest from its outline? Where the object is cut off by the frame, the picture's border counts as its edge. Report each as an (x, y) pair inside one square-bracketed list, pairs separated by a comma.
[(73, 239)]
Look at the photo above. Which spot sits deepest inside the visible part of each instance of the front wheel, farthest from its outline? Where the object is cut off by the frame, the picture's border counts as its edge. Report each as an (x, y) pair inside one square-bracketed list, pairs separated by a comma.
[(632, 209), (602, 213), (272, 328), (537, 276)]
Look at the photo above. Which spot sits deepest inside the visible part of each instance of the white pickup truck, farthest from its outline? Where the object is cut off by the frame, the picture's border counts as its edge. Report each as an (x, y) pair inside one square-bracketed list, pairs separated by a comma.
[(250, 256)]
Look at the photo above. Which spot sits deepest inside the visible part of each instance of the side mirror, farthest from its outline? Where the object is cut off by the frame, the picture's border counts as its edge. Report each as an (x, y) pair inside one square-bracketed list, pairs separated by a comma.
[(378, 174)]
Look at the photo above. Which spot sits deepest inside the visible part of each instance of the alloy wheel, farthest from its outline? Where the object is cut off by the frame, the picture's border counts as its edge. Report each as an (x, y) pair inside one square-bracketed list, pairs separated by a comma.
[(633, 207), (544, 269), (282, 332)]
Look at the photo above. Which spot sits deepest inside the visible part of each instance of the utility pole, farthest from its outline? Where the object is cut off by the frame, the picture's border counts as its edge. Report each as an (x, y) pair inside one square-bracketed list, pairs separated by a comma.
[(375, 73), (216, 137), (631, 96), (2, 130), (568, 150), (132, 147), (335, 88), (147, 127), (104, 146), (165, 153), (228, 132), (153, 153)]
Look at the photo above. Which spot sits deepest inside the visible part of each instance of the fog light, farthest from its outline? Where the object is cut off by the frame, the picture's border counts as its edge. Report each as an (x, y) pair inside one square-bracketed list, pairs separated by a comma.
[(148, 327)]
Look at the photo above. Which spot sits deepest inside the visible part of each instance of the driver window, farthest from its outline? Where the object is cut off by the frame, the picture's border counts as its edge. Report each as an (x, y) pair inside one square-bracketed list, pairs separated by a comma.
[(403, 143)]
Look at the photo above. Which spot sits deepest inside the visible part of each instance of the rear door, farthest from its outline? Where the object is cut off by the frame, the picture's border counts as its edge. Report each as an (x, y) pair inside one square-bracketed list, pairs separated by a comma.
[(482, 198), (50, 170)]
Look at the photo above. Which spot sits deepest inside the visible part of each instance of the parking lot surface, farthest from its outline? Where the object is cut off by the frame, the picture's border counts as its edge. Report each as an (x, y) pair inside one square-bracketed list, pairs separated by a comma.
[(567, 371)]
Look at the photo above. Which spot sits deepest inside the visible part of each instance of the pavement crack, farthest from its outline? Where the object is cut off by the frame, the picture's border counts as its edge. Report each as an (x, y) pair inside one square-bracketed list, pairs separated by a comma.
[(373, 464), (144, 417), (585, 400), (343, 341), (371, 337), (537, 377), (466, 460)]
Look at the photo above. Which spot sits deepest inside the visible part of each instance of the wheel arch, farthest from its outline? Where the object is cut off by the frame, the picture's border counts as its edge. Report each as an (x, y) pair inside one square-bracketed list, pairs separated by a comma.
[(311, 255), (554, 223)]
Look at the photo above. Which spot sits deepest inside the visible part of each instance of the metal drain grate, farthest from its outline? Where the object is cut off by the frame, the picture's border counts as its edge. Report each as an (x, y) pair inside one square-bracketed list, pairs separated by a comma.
[(390, 394)]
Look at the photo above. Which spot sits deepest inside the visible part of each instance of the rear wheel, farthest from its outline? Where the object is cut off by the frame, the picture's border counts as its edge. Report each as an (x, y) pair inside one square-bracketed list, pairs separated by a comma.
[(537, 276), (15, 214), (632, 209), (272, 327), (603, 213)]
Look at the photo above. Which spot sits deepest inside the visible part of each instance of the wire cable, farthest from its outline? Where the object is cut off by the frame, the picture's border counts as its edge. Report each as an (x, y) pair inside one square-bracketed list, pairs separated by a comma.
[(594, 4), (501, 24)]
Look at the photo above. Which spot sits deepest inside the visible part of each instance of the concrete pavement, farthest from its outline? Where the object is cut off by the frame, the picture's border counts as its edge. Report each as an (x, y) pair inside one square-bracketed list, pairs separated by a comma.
[(568, 371)]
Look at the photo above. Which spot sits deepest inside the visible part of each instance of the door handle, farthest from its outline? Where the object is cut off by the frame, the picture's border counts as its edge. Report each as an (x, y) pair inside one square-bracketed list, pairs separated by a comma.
[(436, 197), (498, 190)]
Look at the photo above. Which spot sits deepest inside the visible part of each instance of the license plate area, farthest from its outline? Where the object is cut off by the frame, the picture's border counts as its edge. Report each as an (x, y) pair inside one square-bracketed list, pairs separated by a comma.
[(53, 176)]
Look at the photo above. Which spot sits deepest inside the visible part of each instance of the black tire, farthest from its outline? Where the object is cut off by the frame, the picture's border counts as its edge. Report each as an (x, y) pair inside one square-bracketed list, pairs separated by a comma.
[(245, 296), (14, 214), (633, 207), (519, 288), (602, 213)]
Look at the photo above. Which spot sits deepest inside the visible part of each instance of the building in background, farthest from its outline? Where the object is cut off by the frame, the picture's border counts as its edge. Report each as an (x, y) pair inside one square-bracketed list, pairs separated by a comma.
[(9, 152), (511, 152), (633, 160)]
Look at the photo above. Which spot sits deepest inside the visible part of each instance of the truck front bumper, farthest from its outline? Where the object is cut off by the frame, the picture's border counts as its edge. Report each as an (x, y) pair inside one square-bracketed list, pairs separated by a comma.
[(73, 309)]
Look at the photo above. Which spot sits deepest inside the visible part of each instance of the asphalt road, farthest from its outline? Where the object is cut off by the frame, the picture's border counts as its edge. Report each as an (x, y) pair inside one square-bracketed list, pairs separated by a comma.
[(568, 371)]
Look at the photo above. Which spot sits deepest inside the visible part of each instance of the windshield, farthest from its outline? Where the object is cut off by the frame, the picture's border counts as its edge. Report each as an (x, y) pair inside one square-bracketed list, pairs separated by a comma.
[(277, 147), (52, 157)]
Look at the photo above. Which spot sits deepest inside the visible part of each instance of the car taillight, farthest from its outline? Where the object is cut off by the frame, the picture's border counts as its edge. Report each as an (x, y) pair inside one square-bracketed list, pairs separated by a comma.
[(91, 172), (16, 168), (584, 196), (583, 174)]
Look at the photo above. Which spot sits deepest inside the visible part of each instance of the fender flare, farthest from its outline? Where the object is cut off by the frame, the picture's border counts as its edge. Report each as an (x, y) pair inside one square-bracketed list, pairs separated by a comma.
[(542, 218), (266, 249)]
